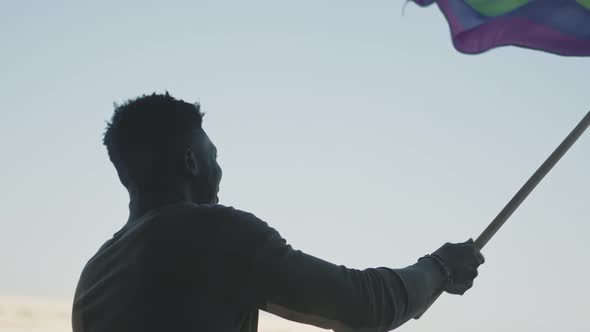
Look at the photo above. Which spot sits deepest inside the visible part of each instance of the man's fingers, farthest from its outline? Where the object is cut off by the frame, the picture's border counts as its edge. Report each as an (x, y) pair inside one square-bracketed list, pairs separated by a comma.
[(479, 257), (466, 276), (455, 289), (459, 289), (467, 287)]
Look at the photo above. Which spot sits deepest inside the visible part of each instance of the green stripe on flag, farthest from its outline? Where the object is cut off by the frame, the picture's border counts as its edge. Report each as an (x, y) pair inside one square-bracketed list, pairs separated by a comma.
[(500, 7), (585, 3)]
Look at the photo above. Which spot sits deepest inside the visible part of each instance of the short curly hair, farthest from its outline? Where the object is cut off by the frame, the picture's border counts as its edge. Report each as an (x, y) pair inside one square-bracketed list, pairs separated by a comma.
[(143, 132)]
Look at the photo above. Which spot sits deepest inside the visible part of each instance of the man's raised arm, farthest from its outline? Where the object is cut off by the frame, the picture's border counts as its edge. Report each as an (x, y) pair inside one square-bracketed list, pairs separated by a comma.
[(306, 289)]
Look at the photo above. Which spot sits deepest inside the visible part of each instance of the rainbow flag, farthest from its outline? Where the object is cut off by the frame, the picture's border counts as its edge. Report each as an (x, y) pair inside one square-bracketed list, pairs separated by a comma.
[(555, 26)]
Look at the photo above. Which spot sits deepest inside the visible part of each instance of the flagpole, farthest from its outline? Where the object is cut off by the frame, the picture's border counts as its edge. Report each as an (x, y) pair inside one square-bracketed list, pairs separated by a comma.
[(526, 189)]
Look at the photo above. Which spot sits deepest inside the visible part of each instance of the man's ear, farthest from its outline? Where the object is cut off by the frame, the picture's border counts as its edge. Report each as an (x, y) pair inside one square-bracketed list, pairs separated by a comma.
[(191, 163)]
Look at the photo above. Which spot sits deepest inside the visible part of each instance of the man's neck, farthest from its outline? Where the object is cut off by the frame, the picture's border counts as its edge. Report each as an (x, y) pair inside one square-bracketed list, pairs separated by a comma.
[(140, 204)]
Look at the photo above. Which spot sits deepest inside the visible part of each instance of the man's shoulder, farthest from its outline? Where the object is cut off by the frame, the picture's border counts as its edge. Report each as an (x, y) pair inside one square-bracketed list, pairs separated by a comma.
[(193, 210), (226, 226), (229, 219), (215, 215)]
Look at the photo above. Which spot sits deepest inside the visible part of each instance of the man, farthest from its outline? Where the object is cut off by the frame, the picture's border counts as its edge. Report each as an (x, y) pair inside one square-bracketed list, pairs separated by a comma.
[(182, 262)]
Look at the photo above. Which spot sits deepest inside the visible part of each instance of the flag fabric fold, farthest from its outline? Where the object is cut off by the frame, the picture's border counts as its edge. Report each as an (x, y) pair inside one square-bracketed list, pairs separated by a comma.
[(556, 26)]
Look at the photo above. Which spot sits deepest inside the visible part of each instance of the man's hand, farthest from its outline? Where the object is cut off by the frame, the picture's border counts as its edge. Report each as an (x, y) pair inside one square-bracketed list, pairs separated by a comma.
[(462, 261)]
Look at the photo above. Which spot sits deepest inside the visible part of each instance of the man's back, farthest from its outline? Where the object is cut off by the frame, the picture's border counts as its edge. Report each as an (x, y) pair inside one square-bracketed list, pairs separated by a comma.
[(170, 270)]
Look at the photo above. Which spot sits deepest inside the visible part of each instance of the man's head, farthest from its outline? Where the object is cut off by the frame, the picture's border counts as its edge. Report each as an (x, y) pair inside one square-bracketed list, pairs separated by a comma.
[(157, 145)]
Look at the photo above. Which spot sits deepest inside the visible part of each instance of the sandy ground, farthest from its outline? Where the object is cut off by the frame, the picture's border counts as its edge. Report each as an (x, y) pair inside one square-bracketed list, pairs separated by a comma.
[(31, 314), (19, 314)]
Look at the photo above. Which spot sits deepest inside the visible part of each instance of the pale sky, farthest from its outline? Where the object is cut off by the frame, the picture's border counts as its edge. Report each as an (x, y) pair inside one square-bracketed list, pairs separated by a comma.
[(360, 134)]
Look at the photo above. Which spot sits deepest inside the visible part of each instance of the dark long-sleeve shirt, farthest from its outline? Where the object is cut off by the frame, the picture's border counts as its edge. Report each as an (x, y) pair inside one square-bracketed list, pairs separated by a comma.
[(188, 267)]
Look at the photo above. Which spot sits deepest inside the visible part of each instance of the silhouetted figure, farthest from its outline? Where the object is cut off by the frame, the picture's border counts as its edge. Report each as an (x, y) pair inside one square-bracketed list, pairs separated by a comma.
[(182, 262)]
